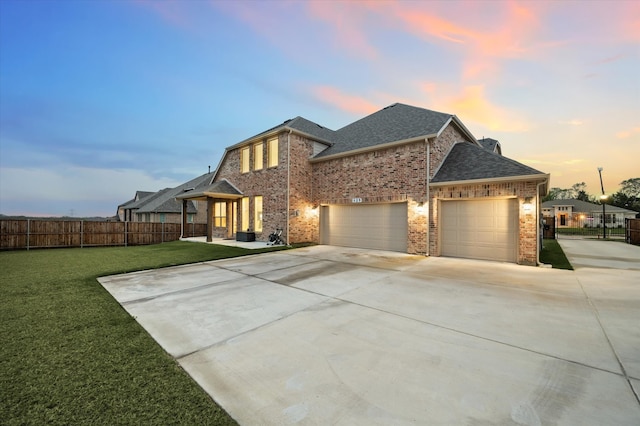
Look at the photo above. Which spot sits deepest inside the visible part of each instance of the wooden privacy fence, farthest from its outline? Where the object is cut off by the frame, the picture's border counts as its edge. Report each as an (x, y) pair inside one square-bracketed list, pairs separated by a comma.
[(633, 231), (38, 233)]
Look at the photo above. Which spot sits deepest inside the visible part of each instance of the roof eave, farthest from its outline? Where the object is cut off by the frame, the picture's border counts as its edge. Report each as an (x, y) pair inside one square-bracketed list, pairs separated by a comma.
[(203, 195), (536, 177)]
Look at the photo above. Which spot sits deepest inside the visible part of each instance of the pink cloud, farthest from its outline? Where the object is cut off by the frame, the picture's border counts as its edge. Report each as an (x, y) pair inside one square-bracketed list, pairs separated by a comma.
[(473, 106), (346, 20), (625, 134), (353, 104), (510, 34)]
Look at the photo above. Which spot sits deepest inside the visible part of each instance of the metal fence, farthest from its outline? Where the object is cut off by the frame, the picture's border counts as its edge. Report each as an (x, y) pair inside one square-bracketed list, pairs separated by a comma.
[(39, 233), (582, 225), (633, 231)]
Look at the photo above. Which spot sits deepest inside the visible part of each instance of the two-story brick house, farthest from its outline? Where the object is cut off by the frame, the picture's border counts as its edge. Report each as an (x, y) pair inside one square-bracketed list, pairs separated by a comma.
[(404, 178)]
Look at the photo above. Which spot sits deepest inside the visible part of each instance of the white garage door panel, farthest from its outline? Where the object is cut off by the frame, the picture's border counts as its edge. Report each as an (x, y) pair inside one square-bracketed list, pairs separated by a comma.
[(480, 229), (373, 226)]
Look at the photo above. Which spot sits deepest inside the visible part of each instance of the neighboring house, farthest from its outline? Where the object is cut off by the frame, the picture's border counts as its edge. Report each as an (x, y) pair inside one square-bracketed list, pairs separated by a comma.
[(162, 206), (404, 178), (125, 210), (577, 214)]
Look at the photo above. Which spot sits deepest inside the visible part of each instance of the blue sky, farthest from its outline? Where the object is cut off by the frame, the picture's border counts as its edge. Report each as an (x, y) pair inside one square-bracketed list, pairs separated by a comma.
[(99, 99)]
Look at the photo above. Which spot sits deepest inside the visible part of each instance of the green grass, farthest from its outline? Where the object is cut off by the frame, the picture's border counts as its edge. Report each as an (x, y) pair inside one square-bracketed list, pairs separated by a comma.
[(552, 254), (69, 353)]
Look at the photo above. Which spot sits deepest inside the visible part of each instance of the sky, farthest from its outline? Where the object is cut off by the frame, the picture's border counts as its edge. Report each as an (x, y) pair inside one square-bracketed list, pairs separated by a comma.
[(101, 98)]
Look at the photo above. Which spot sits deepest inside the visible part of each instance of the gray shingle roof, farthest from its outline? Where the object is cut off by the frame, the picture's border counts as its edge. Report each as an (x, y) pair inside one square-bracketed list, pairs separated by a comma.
[(311, 128), (221, 187), (394, 123), (584, 206), (164, 201), (137, 200), (298, 123), (467, 161), (488, 143)]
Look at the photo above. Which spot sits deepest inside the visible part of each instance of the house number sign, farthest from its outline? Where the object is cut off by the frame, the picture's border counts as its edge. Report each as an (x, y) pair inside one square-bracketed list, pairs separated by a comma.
[(356, 200)]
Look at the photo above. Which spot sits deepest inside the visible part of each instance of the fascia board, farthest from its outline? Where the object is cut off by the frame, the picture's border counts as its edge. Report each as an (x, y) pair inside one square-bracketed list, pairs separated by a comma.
[(536, 177)]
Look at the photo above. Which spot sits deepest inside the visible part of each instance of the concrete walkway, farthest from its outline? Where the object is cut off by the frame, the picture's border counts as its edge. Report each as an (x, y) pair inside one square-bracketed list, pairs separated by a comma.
[(336, 336)]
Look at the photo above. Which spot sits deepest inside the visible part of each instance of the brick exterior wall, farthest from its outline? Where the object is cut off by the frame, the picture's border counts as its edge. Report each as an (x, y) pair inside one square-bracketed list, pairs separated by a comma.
[(303, 217), (527, 244), (393, 174), (441, 146), (271, 184), (387, 175)]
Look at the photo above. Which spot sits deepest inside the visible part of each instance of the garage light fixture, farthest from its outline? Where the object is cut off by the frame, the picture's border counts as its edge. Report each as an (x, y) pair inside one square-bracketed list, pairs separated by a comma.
[(420, 207), (528, 205)]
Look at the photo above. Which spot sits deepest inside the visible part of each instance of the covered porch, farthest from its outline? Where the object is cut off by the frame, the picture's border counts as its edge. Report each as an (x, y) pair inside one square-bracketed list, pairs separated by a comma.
[(222, 200)]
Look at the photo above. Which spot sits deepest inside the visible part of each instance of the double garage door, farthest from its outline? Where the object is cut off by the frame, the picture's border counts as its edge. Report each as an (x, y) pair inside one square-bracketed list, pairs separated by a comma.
[(476, 229), (372, 226), (480, 229)]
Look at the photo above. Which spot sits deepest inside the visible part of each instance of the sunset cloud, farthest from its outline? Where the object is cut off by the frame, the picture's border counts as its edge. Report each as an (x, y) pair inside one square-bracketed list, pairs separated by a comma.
[(625, 134), (349, 103), (472, 105), (510, 34), (345, 19), (573, 122)]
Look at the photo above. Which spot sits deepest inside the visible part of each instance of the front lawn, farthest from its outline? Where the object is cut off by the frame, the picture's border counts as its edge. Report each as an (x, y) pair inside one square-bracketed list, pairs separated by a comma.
[(71, 355), (552, 254)]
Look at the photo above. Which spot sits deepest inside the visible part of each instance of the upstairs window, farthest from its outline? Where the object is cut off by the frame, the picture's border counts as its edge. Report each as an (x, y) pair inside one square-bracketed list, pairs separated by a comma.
[(258, 161), (244, 160), (272, 152)]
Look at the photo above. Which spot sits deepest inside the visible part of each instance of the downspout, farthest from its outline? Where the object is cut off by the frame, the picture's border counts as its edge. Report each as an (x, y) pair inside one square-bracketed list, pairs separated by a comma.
[(428, 194), (288, 181)]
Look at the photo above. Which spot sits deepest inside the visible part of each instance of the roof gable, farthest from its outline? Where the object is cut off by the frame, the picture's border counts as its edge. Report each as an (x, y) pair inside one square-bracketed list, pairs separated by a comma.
[(397, 122), (490, 144), (467, 161)]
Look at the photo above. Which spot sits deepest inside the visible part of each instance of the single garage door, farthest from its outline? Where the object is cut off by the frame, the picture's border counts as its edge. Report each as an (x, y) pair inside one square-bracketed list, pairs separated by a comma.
[(480, 229), (372, 226)]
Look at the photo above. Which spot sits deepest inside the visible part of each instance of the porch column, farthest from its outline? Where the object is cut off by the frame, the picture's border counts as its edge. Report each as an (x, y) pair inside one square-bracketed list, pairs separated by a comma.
[(230, 218), (209, 219), (183, 231)]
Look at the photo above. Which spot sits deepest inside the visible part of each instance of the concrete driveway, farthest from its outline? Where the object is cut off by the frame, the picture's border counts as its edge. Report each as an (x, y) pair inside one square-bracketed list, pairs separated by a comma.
[(337, 336)]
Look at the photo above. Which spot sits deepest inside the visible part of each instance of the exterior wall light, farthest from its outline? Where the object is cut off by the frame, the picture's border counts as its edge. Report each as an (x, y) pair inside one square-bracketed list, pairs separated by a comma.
[(528, 205), (420, 207)]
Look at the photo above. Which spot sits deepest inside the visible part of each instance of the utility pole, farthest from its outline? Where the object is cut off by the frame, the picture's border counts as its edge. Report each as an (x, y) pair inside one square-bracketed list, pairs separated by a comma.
[(603, 198)]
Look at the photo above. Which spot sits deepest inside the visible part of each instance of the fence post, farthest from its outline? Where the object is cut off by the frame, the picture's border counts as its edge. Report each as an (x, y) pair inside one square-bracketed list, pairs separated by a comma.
[(28, 232), (162, 231), (125, 233), (81, 234)]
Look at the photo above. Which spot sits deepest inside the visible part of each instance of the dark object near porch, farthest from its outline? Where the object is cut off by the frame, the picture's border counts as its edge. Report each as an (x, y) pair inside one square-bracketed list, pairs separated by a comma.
[(549, 227), (276, 237), (245, 236)]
